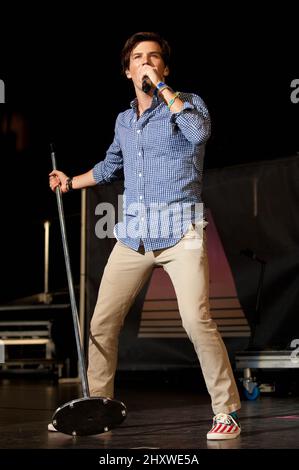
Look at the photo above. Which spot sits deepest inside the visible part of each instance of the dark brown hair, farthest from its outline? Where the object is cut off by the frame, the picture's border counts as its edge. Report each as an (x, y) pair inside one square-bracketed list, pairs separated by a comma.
[(140, 37)]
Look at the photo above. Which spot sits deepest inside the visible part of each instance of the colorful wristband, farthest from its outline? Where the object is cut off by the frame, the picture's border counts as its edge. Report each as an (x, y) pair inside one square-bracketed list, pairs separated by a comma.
[(176, 95), (161, 86)]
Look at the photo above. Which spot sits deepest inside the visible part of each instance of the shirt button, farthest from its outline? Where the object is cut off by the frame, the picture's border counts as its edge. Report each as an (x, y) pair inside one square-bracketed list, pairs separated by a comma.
[(140, 174), (138, 132), (139, 154), (140, 197), (142, 219)]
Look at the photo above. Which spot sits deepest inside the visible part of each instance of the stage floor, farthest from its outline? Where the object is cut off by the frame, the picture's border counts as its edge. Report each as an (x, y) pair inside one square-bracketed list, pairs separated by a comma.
[(159, 417)]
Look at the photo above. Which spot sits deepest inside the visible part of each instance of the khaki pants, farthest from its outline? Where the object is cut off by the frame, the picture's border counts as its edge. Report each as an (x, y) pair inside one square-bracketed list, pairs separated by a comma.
[(124, 275)]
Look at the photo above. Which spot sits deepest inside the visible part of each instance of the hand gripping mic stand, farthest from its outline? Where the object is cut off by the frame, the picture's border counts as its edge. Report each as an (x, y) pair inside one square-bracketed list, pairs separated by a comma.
[(88, 415)]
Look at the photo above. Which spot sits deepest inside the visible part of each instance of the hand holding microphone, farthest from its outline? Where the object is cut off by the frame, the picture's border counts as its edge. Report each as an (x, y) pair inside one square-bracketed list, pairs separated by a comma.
[(146, 84), (149, 77)]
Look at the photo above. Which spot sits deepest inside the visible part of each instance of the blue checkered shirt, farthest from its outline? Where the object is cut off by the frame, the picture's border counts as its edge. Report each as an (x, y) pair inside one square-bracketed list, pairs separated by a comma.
[(161, 155)]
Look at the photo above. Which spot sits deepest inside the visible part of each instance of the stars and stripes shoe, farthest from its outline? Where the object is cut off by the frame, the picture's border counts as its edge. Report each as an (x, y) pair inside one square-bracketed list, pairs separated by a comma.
[(224, 427)]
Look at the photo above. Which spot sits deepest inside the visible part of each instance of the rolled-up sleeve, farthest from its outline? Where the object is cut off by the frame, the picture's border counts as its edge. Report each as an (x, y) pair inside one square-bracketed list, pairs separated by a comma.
[(194, 121), (108, 170)]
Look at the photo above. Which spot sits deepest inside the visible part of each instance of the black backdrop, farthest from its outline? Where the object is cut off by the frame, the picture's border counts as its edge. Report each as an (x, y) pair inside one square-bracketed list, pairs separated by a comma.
[(256, 208)]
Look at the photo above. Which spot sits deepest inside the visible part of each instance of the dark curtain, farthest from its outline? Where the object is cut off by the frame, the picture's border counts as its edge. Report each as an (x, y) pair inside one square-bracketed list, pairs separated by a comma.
[(255, 207)]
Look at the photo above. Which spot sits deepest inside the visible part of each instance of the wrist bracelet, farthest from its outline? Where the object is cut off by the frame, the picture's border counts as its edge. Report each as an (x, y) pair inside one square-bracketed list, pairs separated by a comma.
[(161, 86), (176, 95), (69, 184)]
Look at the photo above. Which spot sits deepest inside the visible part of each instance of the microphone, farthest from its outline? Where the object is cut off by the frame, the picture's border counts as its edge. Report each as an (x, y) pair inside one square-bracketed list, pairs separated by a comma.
[(146, 84)]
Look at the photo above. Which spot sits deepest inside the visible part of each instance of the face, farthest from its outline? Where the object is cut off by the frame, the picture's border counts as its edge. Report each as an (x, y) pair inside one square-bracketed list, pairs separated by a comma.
[(146, 52)]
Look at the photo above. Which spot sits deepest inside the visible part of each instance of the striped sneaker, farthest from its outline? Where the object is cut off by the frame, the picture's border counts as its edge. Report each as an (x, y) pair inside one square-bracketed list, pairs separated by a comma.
[(224, 427)]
